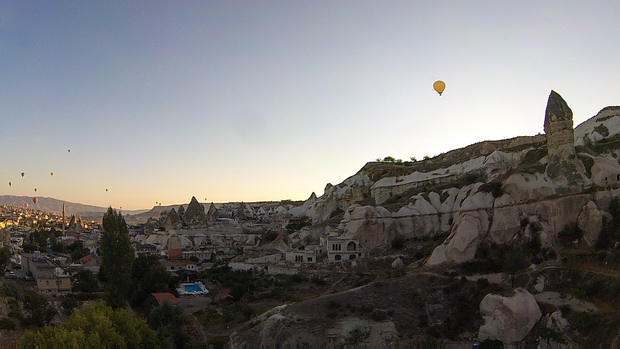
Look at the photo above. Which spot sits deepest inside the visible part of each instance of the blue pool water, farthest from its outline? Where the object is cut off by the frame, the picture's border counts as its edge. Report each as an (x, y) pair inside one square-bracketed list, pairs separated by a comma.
[(192, 288)]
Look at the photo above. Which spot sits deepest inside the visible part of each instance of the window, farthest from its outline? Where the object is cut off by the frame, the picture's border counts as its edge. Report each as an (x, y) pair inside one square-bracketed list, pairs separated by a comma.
[(351, 246), (309, 259)]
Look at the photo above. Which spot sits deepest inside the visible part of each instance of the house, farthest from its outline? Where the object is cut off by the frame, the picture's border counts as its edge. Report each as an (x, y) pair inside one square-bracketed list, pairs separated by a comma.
[(90, 262), (339, 248), (301, 256), (174, 265), (164, 297), (49, 276)]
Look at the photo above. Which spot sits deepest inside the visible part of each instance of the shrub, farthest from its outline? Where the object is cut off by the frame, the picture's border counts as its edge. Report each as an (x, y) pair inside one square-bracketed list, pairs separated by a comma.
[(398, 242), (357, 336), (333, 304), (9, 289), (571, 233), (379, 315), (270, 236), (7, 324), (586, 321)]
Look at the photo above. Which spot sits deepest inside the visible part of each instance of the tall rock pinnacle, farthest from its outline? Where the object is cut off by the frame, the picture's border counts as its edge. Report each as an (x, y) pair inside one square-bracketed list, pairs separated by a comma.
[(559, 126)]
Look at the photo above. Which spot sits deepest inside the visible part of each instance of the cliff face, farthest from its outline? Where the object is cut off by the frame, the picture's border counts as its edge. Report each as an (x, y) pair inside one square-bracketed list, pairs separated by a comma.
[(499, 191)]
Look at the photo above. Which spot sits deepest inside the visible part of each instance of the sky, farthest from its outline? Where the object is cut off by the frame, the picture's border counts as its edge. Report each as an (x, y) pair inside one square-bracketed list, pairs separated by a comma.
[(159, 101)]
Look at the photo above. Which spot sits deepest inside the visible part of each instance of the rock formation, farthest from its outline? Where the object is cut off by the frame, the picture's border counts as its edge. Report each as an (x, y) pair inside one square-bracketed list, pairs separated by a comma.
[(194, 216), (559, 127), (508, 319), (212, 214)]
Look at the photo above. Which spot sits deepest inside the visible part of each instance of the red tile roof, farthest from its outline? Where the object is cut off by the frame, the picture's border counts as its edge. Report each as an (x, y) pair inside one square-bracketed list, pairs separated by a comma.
[(89, 257), (175, 253), (164, 297)]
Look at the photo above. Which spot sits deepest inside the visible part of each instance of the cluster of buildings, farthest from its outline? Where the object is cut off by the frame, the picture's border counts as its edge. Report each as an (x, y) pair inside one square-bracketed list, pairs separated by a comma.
[(187, 240)]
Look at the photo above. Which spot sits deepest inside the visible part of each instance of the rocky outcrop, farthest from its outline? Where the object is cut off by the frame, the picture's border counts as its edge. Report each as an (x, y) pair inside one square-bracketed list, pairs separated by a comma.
[(372, 226), (508, 319), (559, 127), (195, 214), (213, 214), (590, 220)]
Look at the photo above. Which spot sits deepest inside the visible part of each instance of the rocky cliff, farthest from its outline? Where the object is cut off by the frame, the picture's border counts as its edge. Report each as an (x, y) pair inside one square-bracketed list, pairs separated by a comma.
[(497, 191)]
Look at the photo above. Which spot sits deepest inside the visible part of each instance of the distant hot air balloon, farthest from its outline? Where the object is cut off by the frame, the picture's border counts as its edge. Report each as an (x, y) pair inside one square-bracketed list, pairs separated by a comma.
[(9, 184), (35, 190), (51, 173), (23, 174), (35, 200), (25, 205), (439, 86), (68, 150), (106, 189)]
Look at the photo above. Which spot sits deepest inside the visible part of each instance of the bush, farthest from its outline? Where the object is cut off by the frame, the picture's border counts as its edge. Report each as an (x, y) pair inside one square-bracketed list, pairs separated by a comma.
[(270, 236), (586, 321), (571, 233), (357, 336), (7, 324), (9, 289), (398, 242)]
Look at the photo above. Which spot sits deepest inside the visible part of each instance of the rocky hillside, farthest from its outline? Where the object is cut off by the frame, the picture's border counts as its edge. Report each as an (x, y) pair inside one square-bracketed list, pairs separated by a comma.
[(486, 190), (548, 201)]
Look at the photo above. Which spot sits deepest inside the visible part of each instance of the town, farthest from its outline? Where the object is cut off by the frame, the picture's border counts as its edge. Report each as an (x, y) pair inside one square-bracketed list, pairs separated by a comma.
[(58, 256)]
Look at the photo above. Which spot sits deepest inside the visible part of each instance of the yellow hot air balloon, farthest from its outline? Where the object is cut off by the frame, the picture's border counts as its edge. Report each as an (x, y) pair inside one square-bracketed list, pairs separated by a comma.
[(439, 86)]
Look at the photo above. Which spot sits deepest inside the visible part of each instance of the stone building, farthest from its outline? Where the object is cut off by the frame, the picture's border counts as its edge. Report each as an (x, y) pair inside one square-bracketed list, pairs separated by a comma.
[(339, 248)]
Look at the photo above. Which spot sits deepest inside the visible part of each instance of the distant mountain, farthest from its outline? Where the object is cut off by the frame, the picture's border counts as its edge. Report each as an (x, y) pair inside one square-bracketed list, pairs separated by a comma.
[(55, 206)]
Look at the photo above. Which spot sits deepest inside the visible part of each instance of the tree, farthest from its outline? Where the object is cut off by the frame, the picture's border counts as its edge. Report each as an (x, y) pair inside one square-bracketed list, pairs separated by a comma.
[(86, 282), (514, 262), (167, 319), (5, 257), (40, 312), (95, 324), (149, 276), (117, 258)]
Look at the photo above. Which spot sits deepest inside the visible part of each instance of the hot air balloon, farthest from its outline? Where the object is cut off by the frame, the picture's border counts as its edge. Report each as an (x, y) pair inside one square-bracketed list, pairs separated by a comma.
[(35, 200), (439, 86), (35, 190), (68, 150), (9, 184), (106, 189), (51, 173), (26, 205), (23, 174)]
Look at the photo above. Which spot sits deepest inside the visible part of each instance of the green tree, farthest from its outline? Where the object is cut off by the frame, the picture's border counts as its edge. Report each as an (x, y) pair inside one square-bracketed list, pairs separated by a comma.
[(96, 324), (5, 257), (86, 282), (513, 263), (117, 258), (70, 302), (39, 311), (167, 319), (149, 276)]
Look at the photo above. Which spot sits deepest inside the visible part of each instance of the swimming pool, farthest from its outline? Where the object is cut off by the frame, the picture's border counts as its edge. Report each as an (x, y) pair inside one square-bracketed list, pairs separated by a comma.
[(192, 288), (195, 288)]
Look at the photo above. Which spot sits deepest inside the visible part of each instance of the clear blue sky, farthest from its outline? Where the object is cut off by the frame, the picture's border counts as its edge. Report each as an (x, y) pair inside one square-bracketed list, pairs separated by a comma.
[(250, 100)]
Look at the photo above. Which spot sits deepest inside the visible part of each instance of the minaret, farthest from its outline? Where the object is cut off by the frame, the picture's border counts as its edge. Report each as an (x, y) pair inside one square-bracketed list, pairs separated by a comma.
[(63, 219)]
